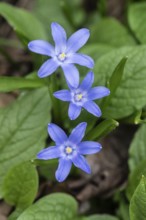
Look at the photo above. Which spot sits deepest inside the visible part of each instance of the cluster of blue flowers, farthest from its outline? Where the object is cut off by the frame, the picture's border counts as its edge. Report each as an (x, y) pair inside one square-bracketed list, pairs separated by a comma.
[(64, 54)]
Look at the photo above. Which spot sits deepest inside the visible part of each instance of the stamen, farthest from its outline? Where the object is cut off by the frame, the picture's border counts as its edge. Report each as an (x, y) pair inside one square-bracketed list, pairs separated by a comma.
[(62, 56), (68, 150), (78, 97)]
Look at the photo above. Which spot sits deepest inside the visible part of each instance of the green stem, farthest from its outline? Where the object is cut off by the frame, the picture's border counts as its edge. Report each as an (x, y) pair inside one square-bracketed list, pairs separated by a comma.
[(102, 129), (53, 86)]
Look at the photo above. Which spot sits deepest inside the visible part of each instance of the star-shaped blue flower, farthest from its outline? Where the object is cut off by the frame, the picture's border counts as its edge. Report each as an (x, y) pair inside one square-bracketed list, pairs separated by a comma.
[(83, 96), (63, 54), (69, 150)]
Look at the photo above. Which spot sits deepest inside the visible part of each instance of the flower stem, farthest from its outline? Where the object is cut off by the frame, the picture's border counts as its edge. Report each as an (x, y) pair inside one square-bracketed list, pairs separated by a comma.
[(53, 86)]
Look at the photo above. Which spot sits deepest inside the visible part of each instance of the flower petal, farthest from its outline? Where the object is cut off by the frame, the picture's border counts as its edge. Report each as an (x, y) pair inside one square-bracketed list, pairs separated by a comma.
[(87, 81), (74, 111), (63, 95), (47, 68), (89, 147), (77, 40), (70, 86), (92, 108), (41, 47), (49, 153), (78, 133), (56, 133), (71, 74), (63, 169), (80, 162), (59, 37), (81, 59), (98, 92)]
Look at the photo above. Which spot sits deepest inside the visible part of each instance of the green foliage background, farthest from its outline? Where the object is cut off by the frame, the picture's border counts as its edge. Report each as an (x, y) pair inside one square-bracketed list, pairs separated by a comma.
[(119, 52)]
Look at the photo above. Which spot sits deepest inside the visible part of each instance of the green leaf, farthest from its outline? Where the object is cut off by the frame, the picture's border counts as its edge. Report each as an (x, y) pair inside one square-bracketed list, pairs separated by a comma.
[(137, 149), (109, 31), (135, 118), (82, 218), (114, 81), (116, 77), (23, 22), (46, 10), (74, 12), (102, 129), (95, 50), (131, 93), (135, 177), (137, 18), (138, 202), (15, 214), (57, 206), (20, 185), (8, 84), (102, 217), (23, 129), (123, 207)]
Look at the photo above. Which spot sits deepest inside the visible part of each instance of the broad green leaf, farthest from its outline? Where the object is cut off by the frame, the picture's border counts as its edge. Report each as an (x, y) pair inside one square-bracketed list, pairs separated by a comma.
[(57, 206), (116, 77), (8, 84), (134, 178), (137, 18), (138, 202), (137, 149), (82, 218), (109, 31), (131, 93), (20, 185), (23, 22), (15, 214), (102, 217), (23, 129), (114, 81), (95, 50), (46, 10), (123, 208), (74, 12), (102, 129)]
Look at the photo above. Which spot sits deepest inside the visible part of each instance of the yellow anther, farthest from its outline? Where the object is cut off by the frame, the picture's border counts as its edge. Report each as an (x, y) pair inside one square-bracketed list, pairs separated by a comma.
[(79, 96), (62, 56), (68, 150)]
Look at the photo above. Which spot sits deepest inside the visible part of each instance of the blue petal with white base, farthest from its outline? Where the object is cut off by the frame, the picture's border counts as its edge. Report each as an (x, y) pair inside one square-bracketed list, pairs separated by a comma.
[(69, 150), (63, 53), (83, 96)]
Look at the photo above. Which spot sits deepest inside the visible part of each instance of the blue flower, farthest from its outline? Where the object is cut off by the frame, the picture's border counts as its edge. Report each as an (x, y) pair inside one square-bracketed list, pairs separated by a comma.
[(82, 96), (63, 54), (69, 150)]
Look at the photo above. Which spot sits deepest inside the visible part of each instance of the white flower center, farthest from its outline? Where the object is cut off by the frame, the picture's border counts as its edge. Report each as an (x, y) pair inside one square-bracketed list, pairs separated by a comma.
[(62, 56), (68, 150), (78, 97)]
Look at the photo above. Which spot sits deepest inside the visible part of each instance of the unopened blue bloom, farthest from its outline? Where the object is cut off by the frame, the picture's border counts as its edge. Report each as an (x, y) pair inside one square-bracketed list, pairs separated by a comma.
[(83, 96), (69, 149), (63, 54)]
